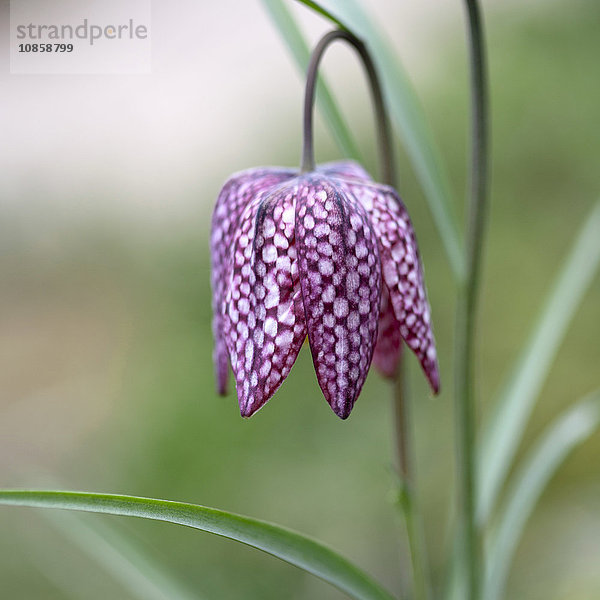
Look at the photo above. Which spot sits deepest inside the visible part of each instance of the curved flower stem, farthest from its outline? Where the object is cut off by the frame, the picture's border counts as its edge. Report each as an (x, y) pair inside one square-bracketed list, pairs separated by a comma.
[(383, 123), (467, 304)]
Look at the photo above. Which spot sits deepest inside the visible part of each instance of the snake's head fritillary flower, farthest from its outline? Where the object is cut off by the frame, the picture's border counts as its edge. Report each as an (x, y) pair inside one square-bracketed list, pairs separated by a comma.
[(328, 254)]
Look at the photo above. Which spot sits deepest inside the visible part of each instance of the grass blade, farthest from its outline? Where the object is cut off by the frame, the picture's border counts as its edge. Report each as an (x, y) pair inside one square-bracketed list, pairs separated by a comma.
[(409, 118), (119, 557), (69, 583), (288, 545), (517, 398), (318, 8), (299, 49), (570, 429)]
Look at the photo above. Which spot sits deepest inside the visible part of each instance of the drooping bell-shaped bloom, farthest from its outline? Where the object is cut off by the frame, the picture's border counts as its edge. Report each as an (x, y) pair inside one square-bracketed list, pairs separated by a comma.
[(329, 255)]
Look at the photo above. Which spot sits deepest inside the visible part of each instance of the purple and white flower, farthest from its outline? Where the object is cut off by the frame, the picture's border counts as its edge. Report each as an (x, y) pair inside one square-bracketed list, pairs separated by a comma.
[(328, 254)]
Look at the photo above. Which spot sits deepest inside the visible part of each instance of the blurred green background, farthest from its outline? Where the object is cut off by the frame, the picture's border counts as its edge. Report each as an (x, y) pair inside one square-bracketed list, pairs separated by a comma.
[(106, 381)]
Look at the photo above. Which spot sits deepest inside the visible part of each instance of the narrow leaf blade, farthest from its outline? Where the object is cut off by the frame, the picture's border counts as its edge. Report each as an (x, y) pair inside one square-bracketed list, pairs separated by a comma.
[(120, 558), (322, 11), (569, 430), (517, 398), (288, 545)]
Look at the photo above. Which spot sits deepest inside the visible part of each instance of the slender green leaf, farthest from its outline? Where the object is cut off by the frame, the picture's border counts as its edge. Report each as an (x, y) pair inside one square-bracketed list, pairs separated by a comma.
[(517, 398), (409, 118), (322, 11), (570, 429), (121, 558), (288, 545), (298, 47), (456, 584), (124, 560), (71, 584)]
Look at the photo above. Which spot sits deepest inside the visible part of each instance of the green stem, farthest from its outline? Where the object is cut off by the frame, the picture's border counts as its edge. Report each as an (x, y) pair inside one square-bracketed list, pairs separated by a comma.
[(467, 304), (408, 502)]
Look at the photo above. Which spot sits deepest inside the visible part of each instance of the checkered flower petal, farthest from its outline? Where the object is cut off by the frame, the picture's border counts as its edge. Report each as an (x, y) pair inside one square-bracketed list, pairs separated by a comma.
[(348, 169), (388, 350), (264, 314), (402, 271), (237, 193), (340, 277)]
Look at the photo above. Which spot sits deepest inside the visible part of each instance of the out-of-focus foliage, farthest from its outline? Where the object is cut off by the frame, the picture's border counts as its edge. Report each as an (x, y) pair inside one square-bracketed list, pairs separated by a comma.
[(109, 385)]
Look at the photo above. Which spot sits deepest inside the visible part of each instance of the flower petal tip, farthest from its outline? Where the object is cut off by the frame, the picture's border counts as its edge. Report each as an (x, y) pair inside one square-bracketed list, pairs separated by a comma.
[(221, 363), (434, 380), (344, 411), (249, 403), (246, 412), (433, 377)]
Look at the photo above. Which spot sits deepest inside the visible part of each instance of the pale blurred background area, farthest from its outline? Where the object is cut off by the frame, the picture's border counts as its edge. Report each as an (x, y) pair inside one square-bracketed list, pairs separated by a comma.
[(107, 183)]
